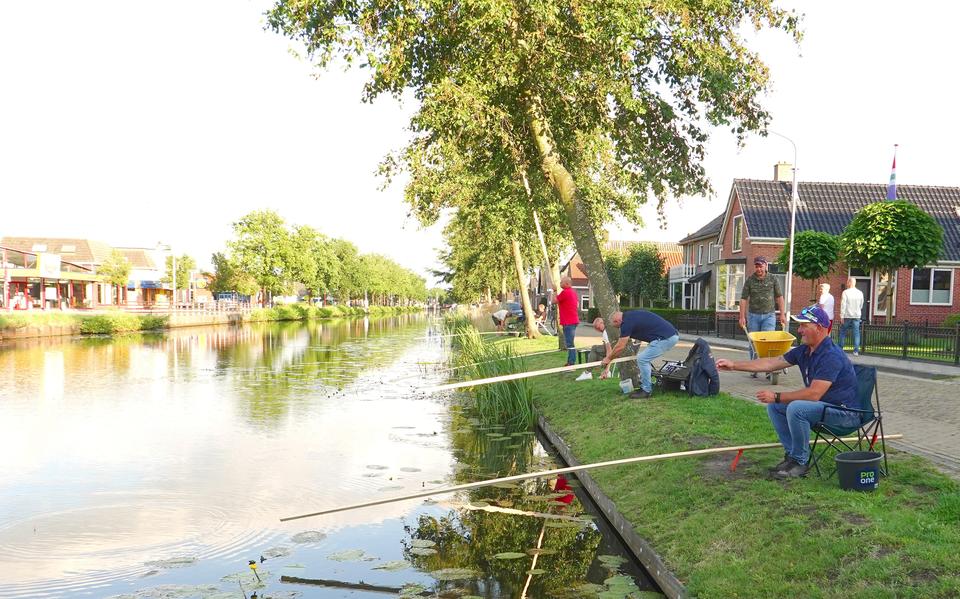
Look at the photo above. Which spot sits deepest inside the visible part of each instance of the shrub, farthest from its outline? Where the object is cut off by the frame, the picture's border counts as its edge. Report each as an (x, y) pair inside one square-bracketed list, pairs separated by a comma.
[(111, 322), (154, 323), (952, 320)]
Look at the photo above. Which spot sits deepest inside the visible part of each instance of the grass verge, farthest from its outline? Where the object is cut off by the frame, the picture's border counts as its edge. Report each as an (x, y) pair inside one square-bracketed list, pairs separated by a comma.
[(742, 534)]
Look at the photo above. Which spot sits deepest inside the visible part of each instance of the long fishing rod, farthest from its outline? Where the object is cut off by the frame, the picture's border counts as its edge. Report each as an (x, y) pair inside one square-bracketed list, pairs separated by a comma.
[(555, 471), (521, 375)]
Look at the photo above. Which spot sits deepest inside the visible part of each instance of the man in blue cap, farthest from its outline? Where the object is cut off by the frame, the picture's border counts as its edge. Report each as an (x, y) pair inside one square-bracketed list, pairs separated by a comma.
[(828, 378)]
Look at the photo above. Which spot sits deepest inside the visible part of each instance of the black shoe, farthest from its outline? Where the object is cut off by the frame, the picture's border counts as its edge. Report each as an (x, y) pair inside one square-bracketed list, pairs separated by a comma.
[(753, 375), (768, 376), (640, 394), (783, 464), (793, 470)]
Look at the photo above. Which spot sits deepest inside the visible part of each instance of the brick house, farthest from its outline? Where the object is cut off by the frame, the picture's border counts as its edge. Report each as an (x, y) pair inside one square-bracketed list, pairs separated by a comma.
[(669, 251), (757, 222)]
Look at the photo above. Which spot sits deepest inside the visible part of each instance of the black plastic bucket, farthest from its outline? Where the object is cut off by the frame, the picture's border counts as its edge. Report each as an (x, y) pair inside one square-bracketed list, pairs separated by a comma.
[(859, 470)]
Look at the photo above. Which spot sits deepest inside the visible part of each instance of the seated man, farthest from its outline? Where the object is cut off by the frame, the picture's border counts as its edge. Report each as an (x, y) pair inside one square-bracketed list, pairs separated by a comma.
[(500, 318), (643, 325), (597, 352), (828, 378)]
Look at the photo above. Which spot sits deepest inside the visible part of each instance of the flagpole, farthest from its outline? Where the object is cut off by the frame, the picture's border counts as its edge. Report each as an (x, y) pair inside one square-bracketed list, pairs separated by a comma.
[(794, 196)]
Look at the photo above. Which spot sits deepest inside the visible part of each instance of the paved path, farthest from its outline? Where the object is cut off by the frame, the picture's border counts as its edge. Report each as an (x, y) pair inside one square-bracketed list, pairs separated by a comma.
[(926, 410)]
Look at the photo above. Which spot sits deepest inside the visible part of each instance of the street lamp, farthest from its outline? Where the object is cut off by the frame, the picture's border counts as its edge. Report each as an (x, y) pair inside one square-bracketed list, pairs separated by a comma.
[(793, 224), (167, 247)]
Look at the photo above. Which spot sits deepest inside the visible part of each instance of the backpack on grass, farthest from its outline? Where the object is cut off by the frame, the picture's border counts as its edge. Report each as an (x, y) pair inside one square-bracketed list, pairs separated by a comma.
[(697, 374)]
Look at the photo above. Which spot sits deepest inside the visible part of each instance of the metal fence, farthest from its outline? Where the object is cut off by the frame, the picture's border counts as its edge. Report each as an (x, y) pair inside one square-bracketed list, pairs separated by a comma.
[(905, 340)]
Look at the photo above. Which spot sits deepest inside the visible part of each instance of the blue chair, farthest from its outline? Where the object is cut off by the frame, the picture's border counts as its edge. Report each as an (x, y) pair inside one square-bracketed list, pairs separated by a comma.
[(869, 431)]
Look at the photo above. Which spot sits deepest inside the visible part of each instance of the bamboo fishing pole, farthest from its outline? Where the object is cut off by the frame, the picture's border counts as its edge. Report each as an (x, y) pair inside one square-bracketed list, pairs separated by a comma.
[(555, 471), (521, 375)]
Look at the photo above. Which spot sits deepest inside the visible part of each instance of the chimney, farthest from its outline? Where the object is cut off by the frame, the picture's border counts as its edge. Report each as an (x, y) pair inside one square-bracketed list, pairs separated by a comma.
[(783, 171)]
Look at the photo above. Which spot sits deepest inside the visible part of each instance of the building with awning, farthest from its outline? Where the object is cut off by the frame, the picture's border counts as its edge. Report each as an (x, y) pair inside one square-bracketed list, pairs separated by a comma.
[(40, 280)]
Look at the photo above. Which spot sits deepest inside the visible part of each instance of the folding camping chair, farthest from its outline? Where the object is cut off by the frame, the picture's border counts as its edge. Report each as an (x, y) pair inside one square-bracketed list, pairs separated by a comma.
[(868, 432)]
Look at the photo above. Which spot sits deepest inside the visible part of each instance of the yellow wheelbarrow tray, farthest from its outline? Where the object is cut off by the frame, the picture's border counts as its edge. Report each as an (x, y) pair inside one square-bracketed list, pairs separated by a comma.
[(771, 344)]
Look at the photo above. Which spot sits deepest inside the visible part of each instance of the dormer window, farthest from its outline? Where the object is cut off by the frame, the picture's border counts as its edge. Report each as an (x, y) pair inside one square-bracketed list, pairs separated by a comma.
[(38, 247), (68, 249)]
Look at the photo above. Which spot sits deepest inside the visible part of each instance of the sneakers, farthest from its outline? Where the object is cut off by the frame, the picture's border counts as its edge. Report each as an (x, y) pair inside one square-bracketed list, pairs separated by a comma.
[(586, 376), (793, 470), (640, 394), (783, 464), (856, 353)]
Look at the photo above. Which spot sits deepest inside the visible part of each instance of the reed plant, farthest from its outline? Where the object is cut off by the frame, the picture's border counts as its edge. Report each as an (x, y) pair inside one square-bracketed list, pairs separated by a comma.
[(509, 403)]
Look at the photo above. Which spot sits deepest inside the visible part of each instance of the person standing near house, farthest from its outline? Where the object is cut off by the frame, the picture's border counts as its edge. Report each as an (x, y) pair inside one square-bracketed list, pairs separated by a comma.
[(567, 301), (826, 302), (851, 308), (761, 296)]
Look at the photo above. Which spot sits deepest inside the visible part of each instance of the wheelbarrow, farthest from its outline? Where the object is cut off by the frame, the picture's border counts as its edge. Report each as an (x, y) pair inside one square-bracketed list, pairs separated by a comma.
[(771, 344)]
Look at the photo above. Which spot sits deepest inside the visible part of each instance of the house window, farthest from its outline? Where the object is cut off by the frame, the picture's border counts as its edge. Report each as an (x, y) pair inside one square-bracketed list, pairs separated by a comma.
[(931, 286), (729, 287), (715, 251), (700, 254), (39, 247), (738, 233), (68, 249), (584, 302)]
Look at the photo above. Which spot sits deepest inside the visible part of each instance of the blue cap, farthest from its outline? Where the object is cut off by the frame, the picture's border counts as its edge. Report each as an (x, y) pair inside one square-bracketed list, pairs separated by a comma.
[(814, 314)]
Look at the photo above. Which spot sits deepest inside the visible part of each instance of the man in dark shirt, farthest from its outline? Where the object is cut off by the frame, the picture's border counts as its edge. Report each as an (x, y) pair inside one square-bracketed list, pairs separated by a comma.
[(828, 378), (643, 325), (761, 296)]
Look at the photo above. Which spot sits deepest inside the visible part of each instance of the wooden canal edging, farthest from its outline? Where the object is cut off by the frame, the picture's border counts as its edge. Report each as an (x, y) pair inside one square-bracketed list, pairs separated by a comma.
[(651, 561)]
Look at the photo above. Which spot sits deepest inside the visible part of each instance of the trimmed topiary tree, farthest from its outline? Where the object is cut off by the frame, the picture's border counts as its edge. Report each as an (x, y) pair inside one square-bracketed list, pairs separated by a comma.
[(889, 235), (814, 255)]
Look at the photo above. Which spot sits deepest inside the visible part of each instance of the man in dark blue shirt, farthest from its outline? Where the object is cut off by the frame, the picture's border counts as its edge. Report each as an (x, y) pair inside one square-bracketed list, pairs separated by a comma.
[(828, 378), (642, 325)]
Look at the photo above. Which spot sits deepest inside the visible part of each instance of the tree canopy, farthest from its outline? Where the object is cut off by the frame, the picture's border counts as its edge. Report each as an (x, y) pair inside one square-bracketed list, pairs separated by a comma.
[(814, 254), (610, 102)]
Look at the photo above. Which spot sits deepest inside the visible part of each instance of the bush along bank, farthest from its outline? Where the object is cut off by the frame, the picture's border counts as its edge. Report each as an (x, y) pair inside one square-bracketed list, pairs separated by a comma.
[(743, 534), (117, 321)]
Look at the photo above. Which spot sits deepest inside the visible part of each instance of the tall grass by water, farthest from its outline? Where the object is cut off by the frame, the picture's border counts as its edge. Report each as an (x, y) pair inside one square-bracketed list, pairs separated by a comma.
[(509, 403)]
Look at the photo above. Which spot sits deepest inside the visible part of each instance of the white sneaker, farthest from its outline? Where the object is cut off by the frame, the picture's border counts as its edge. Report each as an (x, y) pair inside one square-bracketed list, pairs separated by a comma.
[(586, 376)]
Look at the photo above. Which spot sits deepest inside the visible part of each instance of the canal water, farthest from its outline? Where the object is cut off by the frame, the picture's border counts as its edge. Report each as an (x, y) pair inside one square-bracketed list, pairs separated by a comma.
[(159, 466)]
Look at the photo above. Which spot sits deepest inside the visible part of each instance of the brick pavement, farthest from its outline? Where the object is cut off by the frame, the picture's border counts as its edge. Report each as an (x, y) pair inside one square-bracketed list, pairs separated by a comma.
[(924, 409)]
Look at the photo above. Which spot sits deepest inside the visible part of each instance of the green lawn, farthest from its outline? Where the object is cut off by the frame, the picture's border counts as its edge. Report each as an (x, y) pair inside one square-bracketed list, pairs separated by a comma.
[(742, 534)]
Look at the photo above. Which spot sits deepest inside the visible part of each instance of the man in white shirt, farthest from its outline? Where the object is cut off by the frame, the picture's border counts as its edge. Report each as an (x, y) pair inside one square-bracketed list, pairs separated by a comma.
[(826, 302), (598, 352), (851, 308), (500, 318)]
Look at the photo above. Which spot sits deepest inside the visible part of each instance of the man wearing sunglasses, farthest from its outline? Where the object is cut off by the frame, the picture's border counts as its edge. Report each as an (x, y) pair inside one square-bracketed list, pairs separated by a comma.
[(760, 297), (828, 378)]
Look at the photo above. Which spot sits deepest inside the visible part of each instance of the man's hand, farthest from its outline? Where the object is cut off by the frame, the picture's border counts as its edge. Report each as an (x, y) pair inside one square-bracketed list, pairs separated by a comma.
[(765, 396), (606, 372), (725, 364), (743, 322), (783, 321)]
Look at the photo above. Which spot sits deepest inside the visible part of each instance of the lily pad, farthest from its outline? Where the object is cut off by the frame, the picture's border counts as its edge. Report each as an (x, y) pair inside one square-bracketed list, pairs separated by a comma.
[(275, 552), (536, 572), (612, 560), (542, 551), (509, 555), (412, 590), (447, 574), (173, 562), (351, 555), (393, 566), (423, 551), (308, 536), (376, 467), (423, 543), (409, 469)]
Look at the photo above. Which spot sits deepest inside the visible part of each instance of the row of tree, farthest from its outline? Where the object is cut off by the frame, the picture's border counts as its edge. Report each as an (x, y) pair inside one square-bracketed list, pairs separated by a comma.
[(268, 256)]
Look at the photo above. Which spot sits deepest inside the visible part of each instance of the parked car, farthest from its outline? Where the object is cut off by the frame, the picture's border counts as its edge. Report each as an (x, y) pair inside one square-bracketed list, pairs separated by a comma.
[(515, 308)]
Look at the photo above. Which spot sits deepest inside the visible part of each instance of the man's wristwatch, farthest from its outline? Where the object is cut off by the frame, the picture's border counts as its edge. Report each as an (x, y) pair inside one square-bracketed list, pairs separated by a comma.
[(776, 397)]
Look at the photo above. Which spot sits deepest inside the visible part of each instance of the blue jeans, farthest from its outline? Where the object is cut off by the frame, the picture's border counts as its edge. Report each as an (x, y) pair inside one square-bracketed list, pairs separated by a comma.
[(793, 420), (760, 322), (569, 331), (847, 325), (654, 350)]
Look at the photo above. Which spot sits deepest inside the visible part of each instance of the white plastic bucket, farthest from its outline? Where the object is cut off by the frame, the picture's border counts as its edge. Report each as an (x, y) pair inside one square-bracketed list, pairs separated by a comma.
[(626, 385)]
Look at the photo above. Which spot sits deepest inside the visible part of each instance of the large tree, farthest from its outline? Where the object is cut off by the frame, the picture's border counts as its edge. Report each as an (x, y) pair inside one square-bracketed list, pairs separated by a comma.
[(642, 273), (261, 247), (887, 236), (612, 102)]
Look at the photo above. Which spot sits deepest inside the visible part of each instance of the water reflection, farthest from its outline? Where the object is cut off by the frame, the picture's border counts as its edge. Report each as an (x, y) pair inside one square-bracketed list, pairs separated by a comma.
[(160, 465)]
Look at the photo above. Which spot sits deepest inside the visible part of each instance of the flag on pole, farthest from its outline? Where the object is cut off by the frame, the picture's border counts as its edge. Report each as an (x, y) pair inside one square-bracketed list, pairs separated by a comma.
[(892, 185)]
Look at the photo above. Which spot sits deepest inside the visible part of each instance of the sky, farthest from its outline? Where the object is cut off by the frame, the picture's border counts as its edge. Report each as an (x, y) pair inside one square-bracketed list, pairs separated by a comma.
[(136, 123)]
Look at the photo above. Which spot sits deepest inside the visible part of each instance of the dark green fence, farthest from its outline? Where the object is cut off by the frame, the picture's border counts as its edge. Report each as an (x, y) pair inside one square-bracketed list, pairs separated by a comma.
[(909, 341)]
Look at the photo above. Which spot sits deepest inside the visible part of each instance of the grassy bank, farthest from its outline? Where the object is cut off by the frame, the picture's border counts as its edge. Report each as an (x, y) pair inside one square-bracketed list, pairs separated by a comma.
[(119, 321), (742, 534)]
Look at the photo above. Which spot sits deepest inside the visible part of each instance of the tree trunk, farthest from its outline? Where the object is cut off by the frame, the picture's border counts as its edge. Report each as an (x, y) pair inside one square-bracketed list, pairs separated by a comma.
[(532, 332), (577, 218)]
